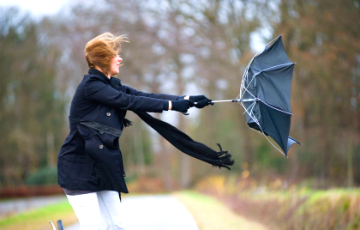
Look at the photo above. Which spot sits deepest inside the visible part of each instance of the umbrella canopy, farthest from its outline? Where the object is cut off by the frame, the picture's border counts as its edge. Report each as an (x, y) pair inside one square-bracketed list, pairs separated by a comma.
[(265, 94)]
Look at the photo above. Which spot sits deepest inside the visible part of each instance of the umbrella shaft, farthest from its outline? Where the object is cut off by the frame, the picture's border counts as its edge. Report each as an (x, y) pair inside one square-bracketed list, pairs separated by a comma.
[(235, 100), (232, 100)]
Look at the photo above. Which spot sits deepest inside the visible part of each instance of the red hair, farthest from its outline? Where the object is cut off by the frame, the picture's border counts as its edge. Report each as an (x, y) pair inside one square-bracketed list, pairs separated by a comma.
[(100, 50)]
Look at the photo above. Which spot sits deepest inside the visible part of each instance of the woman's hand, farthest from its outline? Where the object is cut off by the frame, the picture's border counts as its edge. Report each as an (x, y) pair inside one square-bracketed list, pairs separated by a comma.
[(180, 105), (201, 101)]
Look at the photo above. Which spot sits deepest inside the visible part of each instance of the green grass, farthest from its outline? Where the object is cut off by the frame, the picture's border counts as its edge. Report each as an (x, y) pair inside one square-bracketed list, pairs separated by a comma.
[(211, 214), (39, 218)]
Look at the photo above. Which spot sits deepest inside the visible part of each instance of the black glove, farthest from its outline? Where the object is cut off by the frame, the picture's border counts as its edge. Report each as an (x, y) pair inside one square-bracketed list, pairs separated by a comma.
[(201, 101), (181, 105)]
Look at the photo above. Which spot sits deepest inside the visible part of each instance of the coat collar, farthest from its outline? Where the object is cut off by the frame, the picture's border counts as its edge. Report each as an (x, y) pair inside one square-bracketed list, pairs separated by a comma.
[(93, 71), (96, 72)]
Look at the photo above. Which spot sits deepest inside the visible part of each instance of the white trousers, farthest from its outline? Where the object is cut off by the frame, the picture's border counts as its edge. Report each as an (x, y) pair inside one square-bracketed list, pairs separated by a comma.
[(98, 210)]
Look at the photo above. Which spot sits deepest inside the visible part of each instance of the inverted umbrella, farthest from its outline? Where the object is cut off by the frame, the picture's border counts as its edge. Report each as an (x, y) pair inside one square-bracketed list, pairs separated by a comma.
[(265, 94)]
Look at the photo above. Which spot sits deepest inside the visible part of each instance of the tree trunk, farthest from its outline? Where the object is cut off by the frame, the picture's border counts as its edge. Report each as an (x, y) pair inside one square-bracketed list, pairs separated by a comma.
[(350, 174)]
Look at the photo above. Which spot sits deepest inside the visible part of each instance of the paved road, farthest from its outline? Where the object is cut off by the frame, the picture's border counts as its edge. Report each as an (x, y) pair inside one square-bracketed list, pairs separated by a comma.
[(14, 206), (154, 212)]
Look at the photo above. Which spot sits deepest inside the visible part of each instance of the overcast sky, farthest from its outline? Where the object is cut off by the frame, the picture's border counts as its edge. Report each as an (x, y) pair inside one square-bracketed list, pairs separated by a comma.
[(40, 8), (36, 7)]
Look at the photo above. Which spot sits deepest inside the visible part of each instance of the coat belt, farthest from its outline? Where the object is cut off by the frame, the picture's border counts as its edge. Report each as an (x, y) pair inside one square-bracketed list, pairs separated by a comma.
[(102, 128), (97, 126)]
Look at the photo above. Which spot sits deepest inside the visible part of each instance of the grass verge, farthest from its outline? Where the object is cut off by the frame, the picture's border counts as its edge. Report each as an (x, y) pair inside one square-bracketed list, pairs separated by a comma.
[(211, 214), (282, 207), (38, 219)]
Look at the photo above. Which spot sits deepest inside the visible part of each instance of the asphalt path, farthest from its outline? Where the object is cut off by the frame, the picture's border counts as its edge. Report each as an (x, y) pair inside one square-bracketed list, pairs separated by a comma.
[(153, 212), (14, 206)]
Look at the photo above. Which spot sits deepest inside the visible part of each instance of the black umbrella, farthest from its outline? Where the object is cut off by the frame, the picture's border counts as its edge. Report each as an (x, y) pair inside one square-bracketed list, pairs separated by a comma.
[(265, 94)]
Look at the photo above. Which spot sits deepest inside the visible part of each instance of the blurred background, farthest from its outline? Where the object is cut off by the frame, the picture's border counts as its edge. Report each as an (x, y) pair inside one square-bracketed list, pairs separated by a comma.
[(192, 47)]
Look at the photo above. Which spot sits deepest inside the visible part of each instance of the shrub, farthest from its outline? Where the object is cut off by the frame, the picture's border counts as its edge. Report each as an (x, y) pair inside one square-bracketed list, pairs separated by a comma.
[(43, 176)]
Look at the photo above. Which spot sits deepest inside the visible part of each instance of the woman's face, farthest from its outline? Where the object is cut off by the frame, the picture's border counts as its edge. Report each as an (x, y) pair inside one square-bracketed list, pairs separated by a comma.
[(115, 65)]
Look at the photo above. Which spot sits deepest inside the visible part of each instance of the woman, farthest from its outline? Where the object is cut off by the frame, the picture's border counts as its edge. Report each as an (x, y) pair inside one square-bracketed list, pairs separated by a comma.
[(90, 165)]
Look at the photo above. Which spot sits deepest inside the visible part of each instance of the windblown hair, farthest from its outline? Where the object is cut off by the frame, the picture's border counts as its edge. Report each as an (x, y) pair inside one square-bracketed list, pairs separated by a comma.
[(100, 50)]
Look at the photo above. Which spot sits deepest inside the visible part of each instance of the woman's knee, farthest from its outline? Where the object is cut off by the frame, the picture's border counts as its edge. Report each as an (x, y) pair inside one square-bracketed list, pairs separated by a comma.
[(87, 210)]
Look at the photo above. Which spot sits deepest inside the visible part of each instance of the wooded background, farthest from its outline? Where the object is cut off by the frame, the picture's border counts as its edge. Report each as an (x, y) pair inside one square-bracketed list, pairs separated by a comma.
[(187, 47)]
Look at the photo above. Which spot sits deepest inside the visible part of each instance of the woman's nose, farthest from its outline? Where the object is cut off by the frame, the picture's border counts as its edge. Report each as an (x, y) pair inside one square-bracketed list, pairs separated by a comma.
[(120, 59)]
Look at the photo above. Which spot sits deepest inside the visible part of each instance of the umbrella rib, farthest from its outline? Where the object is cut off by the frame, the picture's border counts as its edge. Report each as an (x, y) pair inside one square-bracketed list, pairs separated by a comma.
[(281, 96), (270, 68), (271, 42), (275, 66), (274, 145), (277, 130), (242, 85), (261, 129), (246, 76), (252, 116), (252, 106), (275, 107), (244, 89)]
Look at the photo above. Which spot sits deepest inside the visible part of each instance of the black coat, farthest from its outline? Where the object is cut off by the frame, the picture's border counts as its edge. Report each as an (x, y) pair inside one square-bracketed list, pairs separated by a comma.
[(90, 158)]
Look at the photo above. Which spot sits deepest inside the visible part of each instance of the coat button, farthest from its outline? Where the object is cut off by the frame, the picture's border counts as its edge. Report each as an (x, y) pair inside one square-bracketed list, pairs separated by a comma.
[(108, 114), (101, 132), (101, 146)]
